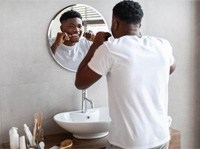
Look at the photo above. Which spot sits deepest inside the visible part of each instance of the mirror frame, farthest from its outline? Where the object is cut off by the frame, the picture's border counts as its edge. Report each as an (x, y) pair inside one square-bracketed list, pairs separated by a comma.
[(57, 16)]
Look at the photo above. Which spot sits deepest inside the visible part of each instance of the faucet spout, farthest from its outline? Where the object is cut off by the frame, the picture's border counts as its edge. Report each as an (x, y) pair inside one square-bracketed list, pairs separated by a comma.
[(91, 102), (85, 100)]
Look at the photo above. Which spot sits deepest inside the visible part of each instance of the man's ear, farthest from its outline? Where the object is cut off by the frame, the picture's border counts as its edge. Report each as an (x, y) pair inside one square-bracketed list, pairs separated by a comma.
[(61, 28), (115, 24)]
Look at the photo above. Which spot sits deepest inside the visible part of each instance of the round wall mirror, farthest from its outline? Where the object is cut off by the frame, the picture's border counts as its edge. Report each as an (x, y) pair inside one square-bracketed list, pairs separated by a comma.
[(71, 32)]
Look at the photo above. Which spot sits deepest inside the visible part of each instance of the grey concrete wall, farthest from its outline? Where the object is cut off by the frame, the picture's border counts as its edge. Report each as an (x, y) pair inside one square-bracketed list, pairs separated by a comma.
[(31, 81)]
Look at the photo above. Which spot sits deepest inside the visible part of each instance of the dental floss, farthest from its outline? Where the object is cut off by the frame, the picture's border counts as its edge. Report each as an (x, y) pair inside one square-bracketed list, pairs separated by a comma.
[(28, 134), (22, 144), (14, 138)]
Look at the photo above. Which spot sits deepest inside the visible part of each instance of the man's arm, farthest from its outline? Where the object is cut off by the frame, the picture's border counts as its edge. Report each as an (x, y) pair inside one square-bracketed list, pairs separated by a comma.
[(85, 77), (60, 38), (54, 47)]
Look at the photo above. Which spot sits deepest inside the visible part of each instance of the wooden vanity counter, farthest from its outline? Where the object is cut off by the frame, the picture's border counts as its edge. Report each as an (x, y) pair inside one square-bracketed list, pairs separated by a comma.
[(52, 140)]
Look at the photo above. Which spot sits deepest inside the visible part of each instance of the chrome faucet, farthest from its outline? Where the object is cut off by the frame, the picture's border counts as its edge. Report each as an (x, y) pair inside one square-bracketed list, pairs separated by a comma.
[(85, 100)]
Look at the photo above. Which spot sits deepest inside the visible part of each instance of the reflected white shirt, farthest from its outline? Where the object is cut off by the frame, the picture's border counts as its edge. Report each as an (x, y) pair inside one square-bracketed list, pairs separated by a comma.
[(70, 57)]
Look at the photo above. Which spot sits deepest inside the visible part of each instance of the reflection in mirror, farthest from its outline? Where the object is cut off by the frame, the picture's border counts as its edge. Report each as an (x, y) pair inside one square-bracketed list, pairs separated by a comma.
[(71, 33)]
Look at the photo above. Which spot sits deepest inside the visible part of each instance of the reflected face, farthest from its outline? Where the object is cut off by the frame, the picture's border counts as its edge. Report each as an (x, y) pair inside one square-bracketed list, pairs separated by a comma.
[(73, 28)]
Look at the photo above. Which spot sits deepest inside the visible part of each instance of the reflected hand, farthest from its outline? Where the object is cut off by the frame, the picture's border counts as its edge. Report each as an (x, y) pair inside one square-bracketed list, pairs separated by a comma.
[(60, 38), (89, 35)]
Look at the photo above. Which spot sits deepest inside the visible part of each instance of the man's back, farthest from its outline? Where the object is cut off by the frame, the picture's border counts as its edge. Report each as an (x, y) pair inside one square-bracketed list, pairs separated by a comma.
[(138, 71)]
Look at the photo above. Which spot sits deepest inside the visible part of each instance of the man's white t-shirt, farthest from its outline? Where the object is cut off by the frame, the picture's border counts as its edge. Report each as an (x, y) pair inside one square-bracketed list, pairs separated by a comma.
[(137, 71), (70, 56)]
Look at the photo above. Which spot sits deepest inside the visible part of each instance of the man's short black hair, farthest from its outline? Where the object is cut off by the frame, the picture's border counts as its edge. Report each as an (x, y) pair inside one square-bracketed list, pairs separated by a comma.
[(70, 14), (128, 11)]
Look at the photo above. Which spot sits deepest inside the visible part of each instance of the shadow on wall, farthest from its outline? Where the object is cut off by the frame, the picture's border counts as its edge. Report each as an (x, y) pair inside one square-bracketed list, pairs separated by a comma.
[(196, 80)]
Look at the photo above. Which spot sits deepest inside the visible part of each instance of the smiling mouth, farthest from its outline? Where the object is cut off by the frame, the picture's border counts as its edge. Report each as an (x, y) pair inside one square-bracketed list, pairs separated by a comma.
[(73, 35)]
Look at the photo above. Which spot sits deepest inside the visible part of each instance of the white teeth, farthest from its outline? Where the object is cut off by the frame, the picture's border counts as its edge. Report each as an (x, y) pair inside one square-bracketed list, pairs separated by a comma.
[(74, 34)]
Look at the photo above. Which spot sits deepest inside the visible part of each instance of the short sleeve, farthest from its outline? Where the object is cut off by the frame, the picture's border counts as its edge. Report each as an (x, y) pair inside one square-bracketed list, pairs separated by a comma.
[(102, 60), (170, 52)]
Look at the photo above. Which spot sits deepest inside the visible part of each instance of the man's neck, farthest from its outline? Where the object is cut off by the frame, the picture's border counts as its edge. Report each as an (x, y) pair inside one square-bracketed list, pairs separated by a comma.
[(130, 29), (69, 43), (135, 32), (133, 29)]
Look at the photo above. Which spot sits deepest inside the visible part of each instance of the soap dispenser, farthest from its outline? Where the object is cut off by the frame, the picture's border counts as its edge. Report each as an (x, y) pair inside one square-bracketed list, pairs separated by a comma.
[(14, 138)]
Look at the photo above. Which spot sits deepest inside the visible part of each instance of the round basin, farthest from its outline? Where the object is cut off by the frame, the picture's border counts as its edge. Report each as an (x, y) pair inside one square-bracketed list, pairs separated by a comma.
[(90, 125)]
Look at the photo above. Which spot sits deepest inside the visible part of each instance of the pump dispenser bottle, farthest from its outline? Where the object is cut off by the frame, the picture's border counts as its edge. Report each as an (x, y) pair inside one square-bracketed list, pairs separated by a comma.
[(14, 138)]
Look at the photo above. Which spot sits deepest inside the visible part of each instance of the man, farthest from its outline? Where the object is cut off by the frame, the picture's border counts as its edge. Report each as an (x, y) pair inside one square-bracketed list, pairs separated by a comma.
[(69, 47), (137, 68)]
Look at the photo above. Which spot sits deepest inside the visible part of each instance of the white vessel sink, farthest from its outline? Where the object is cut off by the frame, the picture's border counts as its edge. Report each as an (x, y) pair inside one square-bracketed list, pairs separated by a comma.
[(90, 125)]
